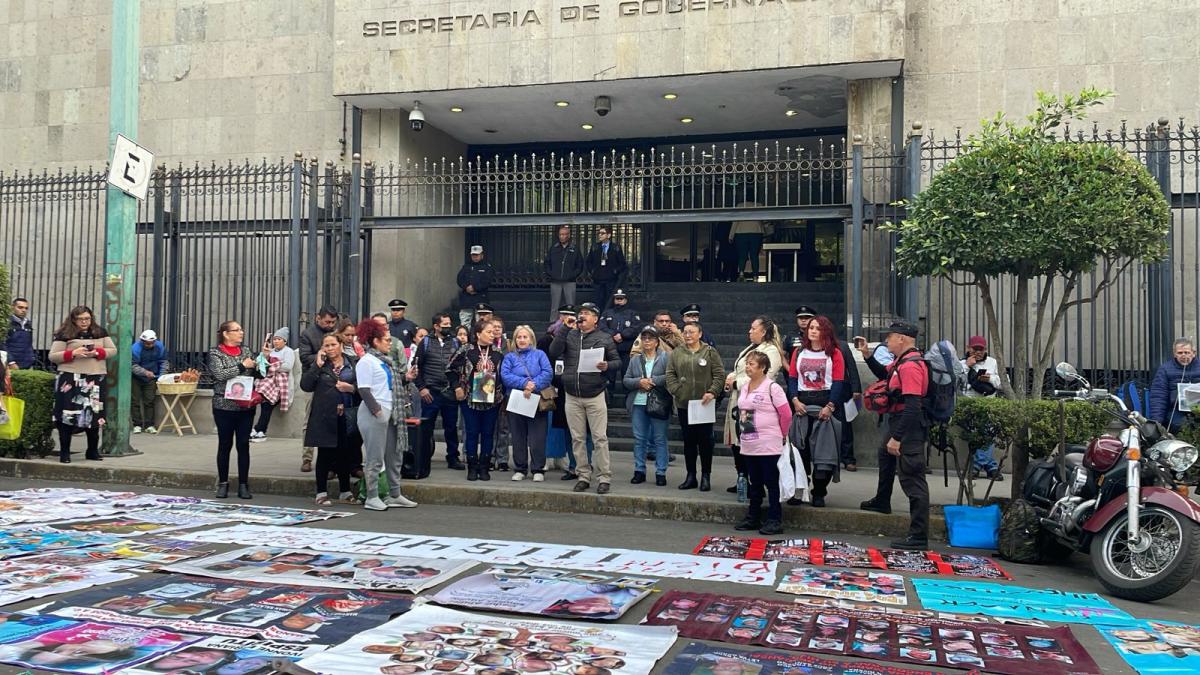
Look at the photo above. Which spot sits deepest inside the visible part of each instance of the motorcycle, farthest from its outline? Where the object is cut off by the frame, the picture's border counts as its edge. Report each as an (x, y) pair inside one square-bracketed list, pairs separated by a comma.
[(1126, 507)]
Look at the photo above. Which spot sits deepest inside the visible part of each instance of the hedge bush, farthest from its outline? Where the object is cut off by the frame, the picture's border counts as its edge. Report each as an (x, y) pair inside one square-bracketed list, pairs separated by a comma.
[(1029, 423), (36, 388)]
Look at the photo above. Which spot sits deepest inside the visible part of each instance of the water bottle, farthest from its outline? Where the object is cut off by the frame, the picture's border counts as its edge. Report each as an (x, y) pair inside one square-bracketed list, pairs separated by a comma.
[(743, 487)]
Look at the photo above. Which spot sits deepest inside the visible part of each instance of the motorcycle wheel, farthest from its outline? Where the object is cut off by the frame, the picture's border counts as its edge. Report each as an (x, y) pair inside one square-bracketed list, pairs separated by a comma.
[(1164, 561)]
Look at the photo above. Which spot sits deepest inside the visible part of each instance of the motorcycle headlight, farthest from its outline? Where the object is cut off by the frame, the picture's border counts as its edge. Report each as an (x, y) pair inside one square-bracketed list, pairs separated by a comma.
[(1180, 458)]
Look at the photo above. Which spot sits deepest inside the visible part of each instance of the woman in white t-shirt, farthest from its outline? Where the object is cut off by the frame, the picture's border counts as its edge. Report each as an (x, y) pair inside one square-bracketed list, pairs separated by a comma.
[(817, 386), (764, 418), (380, 416)]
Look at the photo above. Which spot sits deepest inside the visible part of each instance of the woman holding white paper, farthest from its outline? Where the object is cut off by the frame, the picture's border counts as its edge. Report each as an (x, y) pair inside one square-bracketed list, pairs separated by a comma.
[(764, 419), (695, 378), (526, 372)]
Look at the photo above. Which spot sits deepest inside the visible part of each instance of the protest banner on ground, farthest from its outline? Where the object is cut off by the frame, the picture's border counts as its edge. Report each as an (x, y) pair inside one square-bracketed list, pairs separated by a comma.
[(329, 570), (145, 521), (900, 635), (702, 659), (1158, 647), (435, 639), (235, 608), (547, 592), (887, 589), (45, 505), (225, 656), (32, 539), (497, 552), (841, 554), (823, 604), (145, 553), (1016, 601), (23, 579), (258, 515), (87, 646)]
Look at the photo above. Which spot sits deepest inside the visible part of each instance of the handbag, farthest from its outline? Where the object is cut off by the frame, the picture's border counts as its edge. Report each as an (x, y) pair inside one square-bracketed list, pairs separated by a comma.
[(14, 412), (659, 403)]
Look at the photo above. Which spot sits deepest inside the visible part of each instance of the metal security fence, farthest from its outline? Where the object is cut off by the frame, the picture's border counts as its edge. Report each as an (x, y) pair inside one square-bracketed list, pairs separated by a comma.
[(1120, 337)]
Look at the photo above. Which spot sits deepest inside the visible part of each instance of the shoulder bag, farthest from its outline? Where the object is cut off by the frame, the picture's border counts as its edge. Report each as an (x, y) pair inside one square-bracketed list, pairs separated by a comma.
[(548, 395)]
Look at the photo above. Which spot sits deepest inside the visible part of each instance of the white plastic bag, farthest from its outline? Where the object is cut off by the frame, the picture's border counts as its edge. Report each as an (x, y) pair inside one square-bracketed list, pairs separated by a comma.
[(793, 479)]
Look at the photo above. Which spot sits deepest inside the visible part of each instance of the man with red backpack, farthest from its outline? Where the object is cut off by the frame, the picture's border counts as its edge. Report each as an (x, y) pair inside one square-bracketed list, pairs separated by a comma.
[(905, 429)]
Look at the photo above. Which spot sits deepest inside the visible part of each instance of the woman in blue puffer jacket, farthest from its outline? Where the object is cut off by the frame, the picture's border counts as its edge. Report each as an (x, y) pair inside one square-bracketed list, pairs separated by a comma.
[(526, 372)]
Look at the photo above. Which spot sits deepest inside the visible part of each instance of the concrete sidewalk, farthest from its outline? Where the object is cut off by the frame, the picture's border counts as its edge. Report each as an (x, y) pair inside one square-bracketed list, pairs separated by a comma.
[(189, 462)]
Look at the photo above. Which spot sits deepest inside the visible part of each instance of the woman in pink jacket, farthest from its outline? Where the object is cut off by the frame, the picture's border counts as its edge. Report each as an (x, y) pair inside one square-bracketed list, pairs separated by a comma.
[(764, 417)]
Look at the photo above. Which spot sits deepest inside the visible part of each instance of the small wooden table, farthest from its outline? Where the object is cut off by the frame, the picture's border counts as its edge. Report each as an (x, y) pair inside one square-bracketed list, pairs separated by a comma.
[(177, 398)]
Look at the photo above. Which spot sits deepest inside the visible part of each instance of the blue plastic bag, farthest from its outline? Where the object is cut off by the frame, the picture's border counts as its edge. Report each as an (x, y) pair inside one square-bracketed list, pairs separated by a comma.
[(973, 526)]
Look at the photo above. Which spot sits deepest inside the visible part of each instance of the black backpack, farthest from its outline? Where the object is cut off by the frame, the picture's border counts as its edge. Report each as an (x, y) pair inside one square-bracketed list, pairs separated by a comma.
[(1020, 530)]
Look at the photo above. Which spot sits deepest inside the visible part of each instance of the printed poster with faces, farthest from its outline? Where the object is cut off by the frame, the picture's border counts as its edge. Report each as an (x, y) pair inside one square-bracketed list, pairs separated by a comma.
[(1156, 646), (434, 639), (225, 656), (898, 635), (548, 592), (234, 608), (47, 643)]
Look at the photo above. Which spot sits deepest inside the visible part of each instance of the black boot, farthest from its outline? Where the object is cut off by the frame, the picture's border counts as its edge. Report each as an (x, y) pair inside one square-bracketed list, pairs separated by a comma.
[(454, 465), (638, 477), (65, 457), (484, 471), (222, 490), (689, 483), (749, 523), (472, 470), (705, 484), (244, 491), (94, 455)]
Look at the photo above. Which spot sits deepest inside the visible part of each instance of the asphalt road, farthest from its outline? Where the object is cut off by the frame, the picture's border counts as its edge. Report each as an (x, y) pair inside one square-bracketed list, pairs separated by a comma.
[(675, 537)]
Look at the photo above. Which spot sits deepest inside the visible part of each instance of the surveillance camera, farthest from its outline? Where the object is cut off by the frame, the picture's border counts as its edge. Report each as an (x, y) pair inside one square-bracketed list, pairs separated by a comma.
[(603, 105), (416, 118)]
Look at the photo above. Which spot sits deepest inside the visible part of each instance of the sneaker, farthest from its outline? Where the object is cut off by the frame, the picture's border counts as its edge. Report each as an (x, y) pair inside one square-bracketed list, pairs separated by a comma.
[(872, 505), (375, 504), (502, 467), (539, 477), (518, 476), (660, 480), (911, 543), (771, 527), (151, 430), (569, 475), (400, 501), (257, 439), (137, 430)]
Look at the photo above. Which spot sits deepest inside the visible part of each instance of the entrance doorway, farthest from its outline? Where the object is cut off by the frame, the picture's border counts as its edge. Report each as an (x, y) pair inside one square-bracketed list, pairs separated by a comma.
[(791, 251)]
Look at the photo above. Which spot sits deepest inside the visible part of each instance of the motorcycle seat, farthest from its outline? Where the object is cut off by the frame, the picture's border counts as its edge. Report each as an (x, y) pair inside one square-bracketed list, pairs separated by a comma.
[(1073, 459)]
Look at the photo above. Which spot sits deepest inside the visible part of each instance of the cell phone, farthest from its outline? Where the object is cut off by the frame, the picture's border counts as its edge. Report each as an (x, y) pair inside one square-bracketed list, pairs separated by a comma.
[(91, 347), (860, 341)]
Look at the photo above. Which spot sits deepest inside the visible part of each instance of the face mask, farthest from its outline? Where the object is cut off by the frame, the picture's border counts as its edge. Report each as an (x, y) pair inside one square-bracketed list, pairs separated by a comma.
[(448, 331)]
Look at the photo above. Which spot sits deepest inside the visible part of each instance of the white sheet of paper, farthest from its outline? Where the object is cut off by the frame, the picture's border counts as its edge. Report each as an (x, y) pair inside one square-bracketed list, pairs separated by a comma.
[(588, 358), (851, 410), (517, 403), (700, 413), (1187, 396)]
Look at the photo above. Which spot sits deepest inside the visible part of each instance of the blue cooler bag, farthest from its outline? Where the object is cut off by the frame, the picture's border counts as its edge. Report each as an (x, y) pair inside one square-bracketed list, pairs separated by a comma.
[(973, 526)]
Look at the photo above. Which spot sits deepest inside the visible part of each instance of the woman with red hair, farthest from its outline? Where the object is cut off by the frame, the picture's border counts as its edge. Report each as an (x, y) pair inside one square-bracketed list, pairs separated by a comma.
[(816, 387), (382, 383)]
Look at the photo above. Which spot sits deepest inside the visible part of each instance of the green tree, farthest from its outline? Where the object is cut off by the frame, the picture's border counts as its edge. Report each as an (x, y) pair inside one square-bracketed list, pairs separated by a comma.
[(1021, 203)]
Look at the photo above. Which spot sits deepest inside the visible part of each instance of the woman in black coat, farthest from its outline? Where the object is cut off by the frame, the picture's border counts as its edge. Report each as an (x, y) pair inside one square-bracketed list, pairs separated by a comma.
[(331, 418)]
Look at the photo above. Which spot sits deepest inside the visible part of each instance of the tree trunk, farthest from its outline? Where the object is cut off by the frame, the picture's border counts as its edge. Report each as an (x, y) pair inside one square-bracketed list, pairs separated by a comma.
[(1020, 319)]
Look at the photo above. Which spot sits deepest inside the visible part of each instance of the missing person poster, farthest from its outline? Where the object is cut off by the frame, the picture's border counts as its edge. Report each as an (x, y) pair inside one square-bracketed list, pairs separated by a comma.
[(547, 592)]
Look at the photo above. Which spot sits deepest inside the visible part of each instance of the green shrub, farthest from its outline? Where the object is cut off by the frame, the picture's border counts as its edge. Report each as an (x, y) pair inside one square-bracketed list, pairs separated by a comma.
[(36, 389), (1032, 424)]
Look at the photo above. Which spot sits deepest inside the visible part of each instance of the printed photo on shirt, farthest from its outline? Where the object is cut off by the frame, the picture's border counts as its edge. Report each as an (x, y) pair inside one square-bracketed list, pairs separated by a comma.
[(747, 425)]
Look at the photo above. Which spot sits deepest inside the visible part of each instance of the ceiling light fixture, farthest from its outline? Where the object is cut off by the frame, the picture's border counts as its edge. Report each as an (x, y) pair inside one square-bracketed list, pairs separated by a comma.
[(686, 120), (562, 104), (455, 109), (585, 127), (670, 97)]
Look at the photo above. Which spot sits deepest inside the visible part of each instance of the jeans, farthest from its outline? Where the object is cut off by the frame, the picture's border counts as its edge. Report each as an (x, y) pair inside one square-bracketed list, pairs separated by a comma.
[(762, 471), (142, 412), (697, 440), (584, 415), (748, 246), (379, 452), (233, 425), (561, 293), (649, 432), (449, 410), (528, 441), (481, 433), (983, 460), (911, 465)]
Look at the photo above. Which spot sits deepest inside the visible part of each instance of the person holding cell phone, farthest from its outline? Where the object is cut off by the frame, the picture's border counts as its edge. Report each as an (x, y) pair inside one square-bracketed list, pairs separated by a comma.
[(234, 421), (983, 380), (79, 350)]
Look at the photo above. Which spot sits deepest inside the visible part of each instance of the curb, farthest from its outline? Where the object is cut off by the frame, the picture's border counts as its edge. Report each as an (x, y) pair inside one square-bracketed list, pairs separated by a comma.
[(824, 521)]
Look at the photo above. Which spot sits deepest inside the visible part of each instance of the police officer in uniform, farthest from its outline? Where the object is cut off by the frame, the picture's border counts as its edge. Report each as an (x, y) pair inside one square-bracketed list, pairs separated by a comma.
[(623, 324), (691, 314), (804, 314), (401, 328), (473, 281)]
